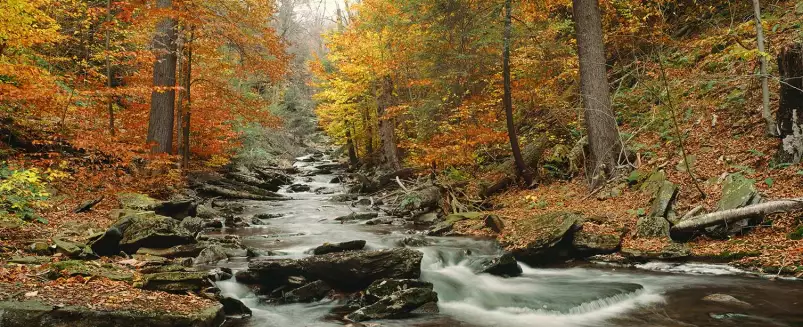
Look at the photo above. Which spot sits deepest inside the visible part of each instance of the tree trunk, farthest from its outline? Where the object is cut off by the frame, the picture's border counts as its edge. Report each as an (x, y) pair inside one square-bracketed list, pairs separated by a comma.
[(772, 129), (353, 160), (369, 133), (387, 126), (181, 92), (185, 124), (163, 97), (733, 215), (790, 110), (600, 121), (522, 170), (109, 77)]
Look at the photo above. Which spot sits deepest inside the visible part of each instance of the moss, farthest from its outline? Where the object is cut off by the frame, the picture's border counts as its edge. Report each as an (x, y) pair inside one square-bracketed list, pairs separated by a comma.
[(797, 234), (90, 269)]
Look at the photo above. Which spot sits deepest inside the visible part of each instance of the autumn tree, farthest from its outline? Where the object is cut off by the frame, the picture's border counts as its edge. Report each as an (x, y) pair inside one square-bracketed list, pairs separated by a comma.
[(163, 96), (603, 136), (521, 168)]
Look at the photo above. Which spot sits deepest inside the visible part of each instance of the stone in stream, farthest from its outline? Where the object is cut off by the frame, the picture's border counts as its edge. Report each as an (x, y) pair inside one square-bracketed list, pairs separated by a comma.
[(386, 287), (504, 265), (234, 307), (358, 216), (548, 233), (427, 218), (441, 229), (337, 180), (299, 188), (311, 292), (266, 216), (220, 274), (327, 248), (346, 271), (413, 241), (344, 197), (211, 255), (727, 299), (397, 305), (381, 221), (193, 225)]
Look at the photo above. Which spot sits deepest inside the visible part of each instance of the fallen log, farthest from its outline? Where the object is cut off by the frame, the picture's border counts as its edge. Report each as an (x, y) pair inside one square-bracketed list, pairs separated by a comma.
[(734, 215), (233, 194), (253, 181)]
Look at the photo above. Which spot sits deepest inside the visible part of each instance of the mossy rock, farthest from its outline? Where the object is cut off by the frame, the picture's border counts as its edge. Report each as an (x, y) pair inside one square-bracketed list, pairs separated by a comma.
[(68, 248), (176, 281), (90, 269), (655, 224), (137, 201), (653, 183), (29, 260), (151, 231), (545, 234), (737, 191), (455, 217), (797, 234)]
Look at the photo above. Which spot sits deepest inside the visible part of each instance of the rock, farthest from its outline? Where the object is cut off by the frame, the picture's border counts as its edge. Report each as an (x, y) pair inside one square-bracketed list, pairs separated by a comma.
[(211, 255), (358, 216), (737, 191), (653, 183), (90, 269), (35, 313), (455, 217), (299, 188), (655, 224), (235, 252), (193, 225), (397, 305), (426, 218), (343, 197), (108, 243), (548, 231), (255, 253), (152, 231), (339, 247), (29, 260), (164, 269), (213, 224), (386, 287), (257, 222), (336, 180), (207, 212), (266, 216), (673, 251), (311, 292), (727, 299), (176, 282), (177, 209), (495, 223), (68, 248), (504, 265), (234, 307), (178, 251), (346, 271), (380, 221), (413, 241), (39, 248), (589, 243), (441, 229), (324, 190)]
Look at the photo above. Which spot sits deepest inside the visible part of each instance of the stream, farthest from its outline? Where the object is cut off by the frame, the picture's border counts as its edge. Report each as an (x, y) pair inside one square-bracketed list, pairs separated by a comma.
[(654, 294)]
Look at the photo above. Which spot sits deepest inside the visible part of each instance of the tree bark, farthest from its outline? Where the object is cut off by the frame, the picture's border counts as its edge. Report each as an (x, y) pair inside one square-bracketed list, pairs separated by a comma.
[(522, 171), (185, 123), (387, 126), (353, 160), (163, 96), (772, 129), (109, 77), (790, 110), (604, 142), (733, 215)]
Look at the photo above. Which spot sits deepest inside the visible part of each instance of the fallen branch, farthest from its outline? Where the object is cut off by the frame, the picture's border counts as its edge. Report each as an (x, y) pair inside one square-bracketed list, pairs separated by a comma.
[(401, 184), (233, 194), (733, 215), (86, 206)]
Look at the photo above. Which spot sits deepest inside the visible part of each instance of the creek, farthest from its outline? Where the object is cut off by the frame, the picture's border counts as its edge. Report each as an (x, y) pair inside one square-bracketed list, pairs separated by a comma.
[(653, 294)]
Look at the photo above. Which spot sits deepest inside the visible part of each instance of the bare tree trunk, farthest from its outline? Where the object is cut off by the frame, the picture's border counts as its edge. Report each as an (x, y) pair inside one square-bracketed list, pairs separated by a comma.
[(600, 121), (521, 168), (181, 92), (387, 126), (109, 76), (353, 160), (772, 129), (185, 126), (163, 97), (790, 111), (369, 133), (733, 215)]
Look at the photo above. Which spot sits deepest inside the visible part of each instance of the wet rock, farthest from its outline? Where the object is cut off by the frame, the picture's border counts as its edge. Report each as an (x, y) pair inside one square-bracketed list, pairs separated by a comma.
[(442, 228), (427, 218), (386, 287), (211, 255), (504, 265), (257, 222), (207, 212), (193, 225), (255, 253), (235, 252), (358, 216), (178, 251), (176, 282), (266, 216), (220, 274), (397, 305), (337, 180), (39, 248), (107, 243), (331, 166), (214, 224), (381, 221), (549, 241), (152, 231), (655, 224), (726, 299), (339, 247), (347, 271), (673, 251), (414, 241), (311, 292), (495, 223), (298, 188), (588, 243), (324, 190), (344, 197), (234, 307)]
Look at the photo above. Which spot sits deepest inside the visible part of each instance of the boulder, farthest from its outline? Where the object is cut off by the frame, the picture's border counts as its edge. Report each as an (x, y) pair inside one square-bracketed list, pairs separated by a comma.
[(299, 188), (39, 248), (440, 229), (737, 191), (548, 237), (588, 243), (211, 255), (381, 221), (106, 243), (398, 305), (504, 265), (346, 271), (339, 247), (413, 241), (90, 269), (150, 230), (495, 223), (234, 307), (311, 292), (193, 225), (655, 224), (428, 218), (221, 274), (344, 197), (386, 287), (177, 209), (727, 299), (68, 248), (266, 216), (176, 282), (207, 212), (178, 251), (358, 216)]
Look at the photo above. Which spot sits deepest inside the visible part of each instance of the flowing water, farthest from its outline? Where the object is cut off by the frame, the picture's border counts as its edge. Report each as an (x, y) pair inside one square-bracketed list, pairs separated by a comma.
[(657, 294)]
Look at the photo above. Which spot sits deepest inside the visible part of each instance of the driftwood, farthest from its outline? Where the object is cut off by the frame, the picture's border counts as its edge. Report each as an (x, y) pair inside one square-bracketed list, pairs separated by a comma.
[(234, 194), (733, 215)]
